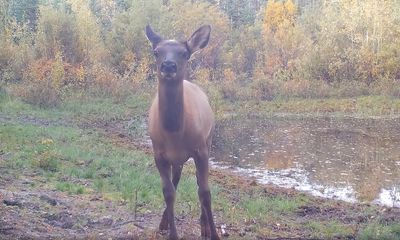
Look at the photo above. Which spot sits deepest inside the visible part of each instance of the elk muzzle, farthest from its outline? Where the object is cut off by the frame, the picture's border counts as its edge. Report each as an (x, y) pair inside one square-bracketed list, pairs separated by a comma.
[(169, 67)]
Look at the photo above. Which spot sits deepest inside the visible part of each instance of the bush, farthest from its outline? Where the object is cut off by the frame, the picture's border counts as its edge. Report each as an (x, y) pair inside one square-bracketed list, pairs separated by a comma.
[(42, 83), (264, 89), (40, 93), (308, 52), (106, 82), (229, 86), (47, 158), (386, 86)]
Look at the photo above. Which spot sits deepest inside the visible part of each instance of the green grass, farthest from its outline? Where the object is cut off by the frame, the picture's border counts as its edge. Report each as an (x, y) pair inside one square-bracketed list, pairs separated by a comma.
[(364, 106), (64, 148), (73, 155), (261, 206), (329, 230), (376, 231), (77, 108), (71, 188)]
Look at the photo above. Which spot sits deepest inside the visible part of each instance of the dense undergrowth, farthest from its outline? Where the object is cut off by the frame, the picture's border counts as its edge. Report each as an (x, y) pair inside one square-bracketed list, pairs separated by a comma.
[(260, 50)]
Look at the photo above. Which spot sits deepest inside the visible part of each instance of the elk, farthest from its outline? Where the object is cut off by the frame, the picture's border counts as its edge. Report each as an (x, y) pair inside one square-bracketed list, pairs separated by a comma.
[(181, 123)]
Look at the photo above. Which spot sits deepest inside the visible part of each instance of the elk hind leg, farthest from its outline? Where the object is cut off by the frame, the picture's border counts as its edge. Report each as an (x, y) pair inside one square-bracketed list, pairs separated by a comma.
[(206, 219)]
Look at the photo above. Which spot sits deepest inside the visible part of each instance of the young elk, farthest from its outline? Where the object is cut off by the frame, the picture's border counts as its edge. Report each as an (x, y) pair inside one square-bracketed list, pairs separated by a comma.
[(181, 123)]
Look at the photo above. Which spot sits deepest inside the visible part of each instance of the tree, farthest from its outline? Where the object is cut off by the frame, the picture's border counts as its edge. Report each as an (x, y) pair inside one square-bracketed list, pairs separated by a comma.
[(4, 15), (57, 32), (185, 16), (126, 40), (240, 12), (88, 32), (284, 39), (25, 12), (354, 40)]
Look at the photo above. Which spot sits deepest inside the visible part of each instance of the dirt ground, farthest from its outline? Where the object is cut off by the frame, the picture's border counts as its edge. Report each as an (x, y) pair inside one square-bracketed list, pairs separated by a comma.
[(45, 213), (51, 214)]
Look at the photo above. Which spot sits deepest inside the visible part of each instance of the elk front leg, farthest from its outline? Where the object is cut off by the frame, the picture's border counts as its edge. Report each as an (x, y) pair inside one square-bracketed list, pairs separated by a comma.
[(168, 219), (176, 176), (206, 219)]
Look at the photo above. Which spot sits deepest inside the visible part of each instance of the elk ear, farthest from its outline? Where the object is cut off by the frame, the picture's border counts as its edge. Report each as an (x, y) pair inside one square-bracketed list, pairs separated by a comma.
[(153, 37), (199, 39)]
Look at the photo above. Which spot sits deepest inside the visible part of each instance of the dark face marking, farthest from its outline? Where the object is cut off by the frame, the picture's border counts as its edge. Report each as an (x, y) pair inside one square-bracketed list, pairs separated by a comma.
[(171, 60)]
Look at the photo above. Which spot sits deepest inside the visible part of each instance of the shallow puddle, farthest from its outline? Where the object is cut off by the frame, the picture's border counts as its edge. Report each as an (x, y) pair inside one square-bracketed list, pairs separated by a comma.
[(344, 158)]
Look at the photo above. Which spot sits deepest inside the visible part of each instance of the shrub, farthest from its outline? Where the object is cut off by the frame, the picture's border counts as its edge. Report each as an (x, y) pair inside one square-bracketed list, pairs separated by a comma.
[(229, 86), (40, 93), (107, 82), (386, 86), (264, 89), (47, 158)]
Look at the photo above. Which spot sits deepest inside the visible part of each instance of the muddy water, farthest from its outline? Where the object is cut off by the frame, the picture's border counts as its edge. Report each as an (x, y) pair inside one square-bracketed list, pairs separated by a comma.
[(344, 158)]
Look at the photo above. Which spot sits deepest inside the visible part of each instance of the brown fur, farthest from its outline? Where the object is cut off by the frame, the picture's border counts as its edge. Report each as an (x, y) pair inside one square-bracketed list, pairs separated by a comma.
[(181, 123)]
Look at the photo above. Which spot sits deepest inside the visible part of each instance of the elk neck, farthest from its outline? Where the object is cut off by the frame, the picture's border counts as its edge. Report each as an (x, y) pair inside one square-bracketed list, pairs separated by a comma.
[(170, 103)]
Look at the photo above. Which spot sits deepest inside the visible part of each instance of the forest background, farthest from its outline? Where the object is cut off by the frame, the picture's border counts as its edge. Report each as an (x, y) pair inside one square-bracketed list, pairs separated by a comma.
[(259, 50)]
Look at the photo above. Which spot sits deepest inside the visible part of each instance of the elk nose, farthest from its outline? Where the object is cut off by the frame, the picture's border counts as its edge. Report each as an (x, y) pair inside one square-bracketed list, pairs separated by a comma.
[(168, 67)]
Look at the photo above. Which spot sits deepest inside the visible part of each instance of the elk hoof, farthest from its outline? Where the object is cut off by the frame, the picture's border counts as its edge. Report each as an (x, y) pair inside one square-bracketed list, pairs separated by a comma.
[(173, 237), (163, 224), (215, 238), (205, 230)]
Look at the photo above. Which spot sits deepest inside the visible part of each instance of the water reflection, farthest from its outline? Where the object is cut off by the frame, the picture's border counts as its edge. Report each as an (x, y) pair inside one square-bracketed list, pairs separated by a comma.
[(350, 159)]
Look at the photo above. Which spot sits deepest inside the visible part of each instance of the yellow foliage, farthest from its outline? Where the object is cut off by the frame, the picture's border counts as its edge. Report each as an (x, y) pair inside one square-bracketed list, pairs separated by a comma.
[(103, 77), (80, 42), (203, 76), (229, 75), (38, 70), (57, 72), (290, 10), (285, 41), (142, 72), (192, 15), (80, 74), (279, 15), (88, 31), (229, 87), (273, 16), (136, 70), (128, 60)]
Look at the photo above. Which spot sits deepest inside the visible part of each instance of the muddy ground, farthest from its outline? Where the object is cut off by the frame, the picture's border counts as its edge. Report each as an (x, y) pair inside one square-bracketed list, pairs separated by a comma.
[(43, 212)]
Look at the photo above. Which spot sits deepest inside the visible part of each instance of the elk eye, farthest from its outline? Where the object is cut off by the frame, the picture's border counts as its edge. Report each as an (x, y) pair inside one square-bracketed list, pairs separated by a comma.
[(185, 55)]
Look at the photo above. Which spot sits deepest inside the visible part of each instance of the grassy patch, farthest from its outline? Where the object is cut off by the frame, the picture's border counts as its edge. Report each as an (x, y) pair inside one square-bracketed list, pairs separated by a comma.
[(375, 231), (71, 188), (329, 230), (34, 146), (365, 106), (78, 109), (261, 206), (69, 150), (72, 153)]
